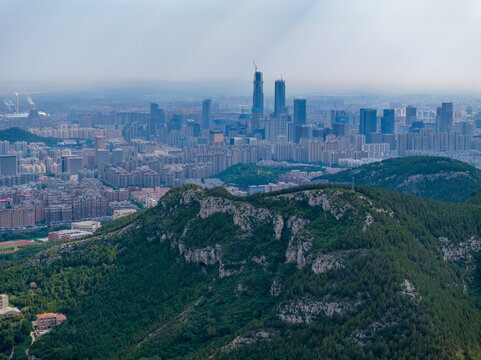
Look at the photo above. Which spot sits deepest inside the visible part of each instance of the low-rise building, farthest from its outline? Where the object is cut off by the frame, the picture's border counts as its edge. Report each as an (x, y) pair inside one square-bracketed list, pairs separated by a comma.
[(118, 213), (88, 226), (48, 320), (64, 235)]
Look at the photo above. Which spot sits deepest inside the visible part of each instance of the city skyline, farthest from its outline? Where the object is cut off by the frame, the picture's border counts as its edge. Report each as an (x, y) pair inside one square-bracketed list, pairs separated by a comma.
[(399, 46)]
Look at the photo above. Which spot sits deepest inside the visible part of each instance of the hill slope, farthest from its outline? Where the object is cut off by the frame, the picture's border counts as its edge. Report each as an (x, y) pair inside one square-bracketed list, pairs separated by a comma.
[(244, 175), (429, 177), (311, 272), (17, 134), (475, 197)]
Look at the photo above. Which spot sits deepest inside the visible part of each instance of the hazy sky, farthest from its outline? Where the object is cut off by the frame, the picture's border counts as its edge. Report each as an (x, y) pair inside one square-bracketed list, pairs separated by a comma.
[(391, 45)]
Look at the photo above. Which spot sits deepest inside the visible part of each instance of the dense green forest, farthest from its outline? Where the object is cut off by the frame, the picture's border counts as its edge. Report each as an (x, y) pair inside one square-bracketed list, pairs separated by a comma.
[(16, 134), (244, 175), (425, 176), (309, 272), (475, 197)]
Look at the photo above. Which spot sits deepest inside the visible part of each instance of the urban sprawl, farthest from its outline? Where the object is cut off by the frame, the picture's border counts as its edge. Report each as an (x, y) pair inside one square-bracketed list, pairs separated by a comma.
[(108, 161)]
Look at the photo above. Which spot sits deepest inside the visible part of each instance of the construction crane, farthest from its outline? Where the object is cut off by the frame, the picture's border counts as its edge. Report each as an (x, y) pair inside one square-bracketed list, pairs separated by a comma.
[(255, 66)]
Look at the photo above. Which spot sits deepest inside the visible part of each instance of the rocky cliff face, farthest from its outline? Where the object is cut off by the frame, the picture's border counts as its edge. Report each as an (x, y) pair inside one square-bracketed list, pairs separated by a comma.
[(291, 230)]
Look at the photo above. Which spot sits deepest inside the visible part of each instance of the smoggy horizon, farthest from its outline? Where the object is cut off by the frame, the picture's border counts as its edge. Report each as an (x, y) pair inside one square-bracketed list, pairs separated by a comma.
[(396, 47)]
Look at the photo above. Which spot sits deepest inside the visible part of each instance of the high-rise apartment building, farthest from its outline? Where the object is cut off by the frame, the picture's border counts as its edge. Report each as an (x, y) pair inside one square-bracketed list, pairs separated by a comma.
[(100, 142), (277, 127)]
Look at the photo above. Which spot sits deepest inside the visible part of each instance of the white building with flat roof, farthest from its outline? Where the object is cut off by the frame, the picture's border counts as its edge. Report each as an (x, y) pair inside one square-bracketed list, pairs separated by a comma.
[(5, 310), (88, 226)]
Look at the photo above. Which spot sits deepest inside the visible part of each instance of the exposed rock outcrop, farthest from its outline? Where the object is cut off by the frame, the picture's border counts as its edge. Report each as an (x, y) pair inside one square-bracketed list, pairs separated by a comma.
[(208, 256), (408, 289), (298, 250), (456, 252), (306, 310), (248, 339), (276, 288), (326, 262)]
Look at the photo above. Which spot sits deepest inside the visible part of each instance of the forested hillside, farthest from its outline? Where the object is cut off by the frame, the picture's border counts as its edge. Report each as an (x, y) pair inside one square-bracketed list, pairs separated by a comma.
[(425, 176), (244, 175), (16, 134), (310, 272)]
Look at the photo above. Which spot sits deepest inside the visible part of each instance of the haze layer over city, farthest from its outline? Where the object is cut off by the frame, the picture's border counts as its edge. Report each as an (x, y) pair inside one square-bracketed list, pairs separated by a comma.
[(255, 179)]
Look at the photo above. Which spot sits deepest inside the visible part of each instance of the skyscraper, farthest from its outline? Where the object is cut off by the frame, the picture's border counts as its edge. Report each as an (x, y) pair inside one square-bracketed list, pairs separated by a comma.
[(368, 121), (387, 121), (206, 116), (300, 117), (258, 95), (280, 98), (411, 115), (447, 117), (157, 119)]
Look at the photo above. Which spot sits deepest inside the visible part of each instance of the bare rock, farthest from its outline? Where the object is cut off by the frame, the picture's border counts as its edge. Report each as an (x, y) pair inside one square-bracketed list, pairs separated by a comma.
[(207, 256), (276, 288), (306, 310), (326, 262), (298, 249)]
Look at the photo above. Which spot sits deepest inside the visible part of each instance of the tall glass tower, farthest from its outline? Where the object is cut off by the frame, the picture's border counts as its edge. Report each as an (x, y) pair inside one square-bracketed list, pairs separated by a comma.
[(300, 116), (280, 98), (368, 121), (258, 94), (447, 117), (206, 115), (257, 102)]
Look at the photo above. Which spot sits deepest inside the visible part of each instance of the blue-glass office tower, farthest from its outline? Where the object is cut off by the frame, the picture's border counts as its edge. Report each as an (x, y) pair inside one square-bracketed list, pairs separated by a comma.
[(257, 102), (258, 95), (368, 121), (300, 114), (411, 115), (447, 117), (387, 121), (280, 98)]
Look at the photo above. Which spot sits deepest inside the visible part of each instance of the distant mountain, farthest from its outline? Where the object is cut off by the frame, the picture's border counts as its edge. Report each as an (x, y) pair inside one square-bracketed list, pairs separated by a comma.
[(16, 134), (309, 272), (437, 178)]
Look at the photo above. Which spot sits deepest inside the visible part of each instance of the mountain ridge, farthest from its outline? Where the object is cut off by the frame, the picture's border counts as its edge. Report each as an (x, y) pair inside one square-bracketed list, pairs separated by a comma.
[(297, 273), (430, 177)]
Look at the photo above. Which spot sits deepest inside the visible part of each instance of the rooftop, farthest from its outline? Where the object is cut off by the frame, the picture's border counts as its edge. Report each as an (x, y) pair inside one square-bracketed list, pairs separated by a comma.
[(8, 311), (45, 315)]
